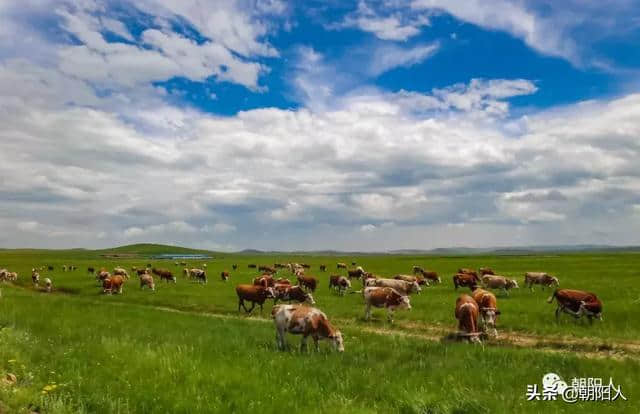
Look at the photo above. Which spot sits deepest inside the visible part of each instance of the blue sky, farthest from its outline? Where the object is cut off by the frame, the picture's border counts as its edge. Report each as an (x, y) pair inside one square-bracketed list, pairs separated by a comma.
[(362, 125)]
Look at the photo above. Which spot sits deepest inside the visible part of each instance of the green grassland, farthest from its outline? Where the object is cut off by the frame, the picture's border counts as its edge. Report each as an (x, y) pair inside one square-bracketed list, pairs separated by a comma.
[(185, 348)]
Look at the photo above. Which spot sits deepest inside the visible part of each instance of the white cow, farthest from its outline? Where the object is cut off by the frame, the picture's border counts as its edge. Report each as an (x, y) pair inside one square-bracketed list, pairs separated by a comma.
[(305, 321)]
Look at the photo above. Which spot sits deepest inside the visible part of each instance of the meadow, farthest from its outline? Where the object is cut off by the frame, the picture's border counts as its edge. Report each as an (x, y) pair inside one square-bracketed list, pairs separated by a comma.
[(186, 348)]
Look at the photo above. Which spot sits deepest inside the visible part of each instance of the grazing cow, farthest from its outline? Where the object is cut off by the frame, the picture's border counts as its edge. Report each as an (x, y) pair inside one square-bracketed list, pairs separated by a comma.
[(340, 283), (485, 271), (540, 278), (102, 275), (468, 271), (254, 294), (499, 282), (147, 280), (120, 272), (141, 272), (417, 269), (402, 287), (384, 297), (164, 274), (305, 321), (464, 279), (251, 266), (91, 270), (356, 273), (577, 303), (308, 282), (48, 286), (234, 266), (341, 266), (411, 279), (467, 316), (199, 275), (488, 306), (35, 277), (224, 275), (11, 276), (264, 280), (431, 276), (113, 284), (323, 268), (289, 293), (3, 274)]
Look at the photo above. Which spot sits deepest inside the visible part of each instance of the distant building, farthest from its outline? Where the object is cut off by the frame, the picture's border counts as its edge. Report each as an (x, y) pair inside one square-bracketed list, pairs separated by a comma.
[(181, 256)]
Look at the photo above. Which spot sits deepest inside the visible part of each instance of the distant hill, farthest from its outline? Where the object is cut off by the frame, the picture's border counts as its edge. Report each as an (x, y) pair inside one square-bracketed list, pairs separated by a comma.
[(146, 249)]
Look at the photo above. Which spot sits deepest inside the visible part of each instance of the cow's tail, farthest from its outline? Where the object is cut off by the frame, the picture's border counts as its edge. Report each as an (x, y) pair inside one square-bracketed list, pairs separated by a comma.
[(550, 300)]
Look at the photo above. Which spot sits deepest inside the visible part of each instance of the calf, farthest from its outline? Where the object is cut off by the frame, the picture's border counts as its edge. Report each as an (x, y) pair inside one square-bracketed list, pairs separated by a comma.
[(384, 297), (464, 279), (499, 282), (431, 276), (340, 283), (577, 303), (308, 282), (113, 284), (488, 306), (147, 280), (305, 321), (254, 294), (289, 293), (401, 286), (224, 275), (540, 278), (467, 316)]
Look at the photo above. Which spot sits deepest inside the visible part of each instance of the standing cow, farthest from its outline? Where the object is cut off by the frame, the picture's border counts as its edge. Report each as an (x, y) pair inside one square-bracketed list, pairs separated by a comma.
[(577, 303), (305, 321), (401, 286), (147, 280), (340, 283), (467, 315), (540, 278), (224, 275), (308, 282), (254, 294), (284, 291), (499, 282), (488, 307), (465, 279), (384, 297)]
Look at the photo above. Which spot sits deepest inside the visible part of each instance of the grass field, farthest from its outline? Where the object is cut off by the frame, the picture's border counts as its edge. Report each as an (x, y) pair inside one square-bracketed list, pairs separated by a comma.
[(185, 348)]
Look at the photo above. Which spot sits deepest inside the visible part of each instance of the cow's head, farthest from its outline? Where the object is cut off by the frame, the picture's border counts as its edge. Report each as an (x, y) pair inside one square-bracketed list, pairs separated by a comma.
[(270, 294), (554, 281), (347, 283), (405, 303), (512, 284), (415, 287), (490, 316), (338, 343)]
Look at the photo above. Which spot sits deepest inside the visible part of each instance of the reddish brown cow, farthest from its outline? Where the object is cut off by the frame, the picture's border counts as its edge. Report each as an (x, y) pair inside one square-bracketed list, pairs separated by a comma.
[(113, 284), (264, 280), (254, 294), (340, 283), (465, 279), (289, 293), (224, 275), (308, 282), (430, 276), (384, 297), (468, 271), (356, 273), (488, 306), (577, 303), (467, 316), (164, 274)]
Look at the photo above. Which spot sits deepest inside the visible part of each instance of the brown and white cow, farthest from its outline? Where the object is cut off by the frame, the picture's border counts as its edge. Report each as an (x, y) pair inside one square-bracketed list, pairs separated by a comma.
[(102, 274), (485, 271), (147, 280), (488, 306), (417, 269), (224, 275), (3, 274), (266, 269), (264, 280), (499, 282), (199, 275), (35, 277), (254, 294), (308, 282), (410, 278), (341, 266), (577, 303), (11, 276), (290, 293), (384, 297), (164, 274), (468, 271), (467, 316), (540, 278), (464, 279), (355, 273), (113, 284), (340, 283), (403, 287), (431, 276), (120, 272), (48, 285), (141, 272), (305, 321)]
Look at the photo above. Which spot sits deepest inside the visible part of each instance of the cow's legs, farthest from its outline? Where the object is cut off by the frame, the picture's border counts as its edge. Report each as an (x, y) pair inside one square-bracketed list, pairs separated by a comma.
[(280, 339), (390, 315), (303, 343), (315, 341), (367, 312)]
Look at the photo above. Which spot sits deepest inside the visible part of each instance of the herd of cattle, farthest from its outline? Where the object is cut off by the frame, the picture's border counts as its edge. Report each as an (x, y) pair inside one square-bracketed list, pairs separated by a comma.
[(476, 312)]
